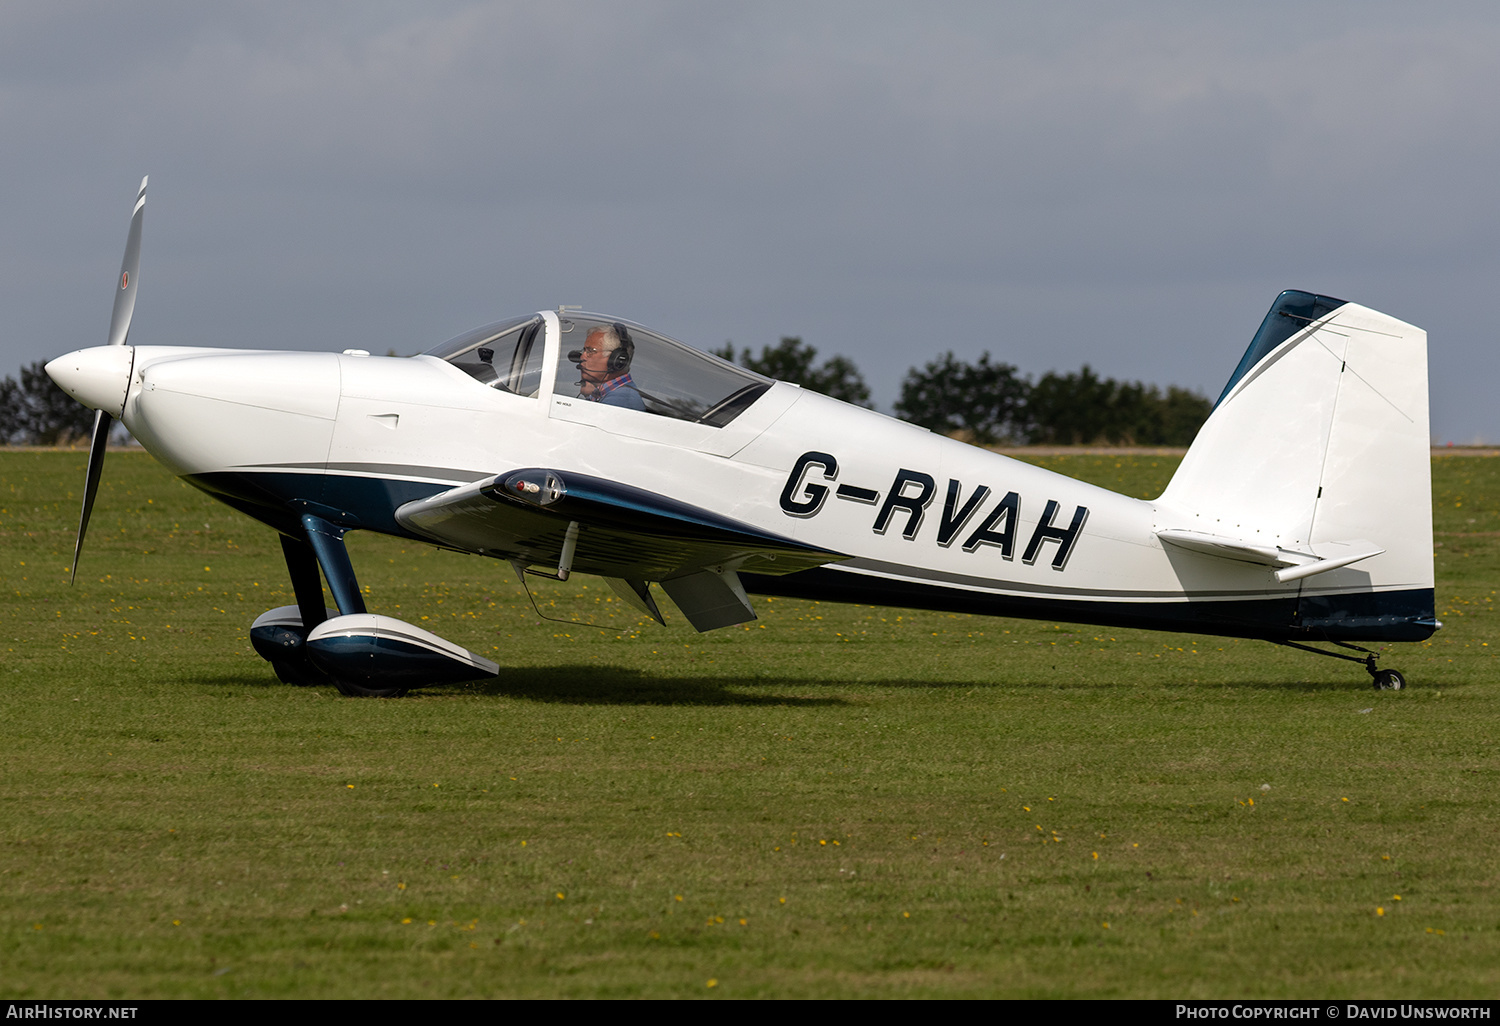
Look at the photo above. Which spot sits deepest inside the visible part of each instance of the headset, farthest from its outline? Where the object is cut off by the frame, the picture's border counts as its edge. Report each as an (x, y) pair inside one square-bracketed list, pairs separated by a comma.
[(620, 357)]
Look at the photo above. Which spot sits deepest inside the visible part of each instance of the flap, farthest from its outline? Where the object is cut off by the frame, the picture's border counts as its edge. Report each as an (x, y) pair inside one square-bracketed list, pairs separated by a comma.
[(710, 600)]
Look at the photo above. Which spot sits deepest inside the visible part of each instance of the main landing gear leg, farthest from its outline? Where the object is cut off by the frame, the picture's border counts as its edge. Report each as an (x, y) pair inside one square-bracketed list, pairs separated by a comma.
[(327, 543), (302, 567), (362, 654), (1383, 680), (280, 635)]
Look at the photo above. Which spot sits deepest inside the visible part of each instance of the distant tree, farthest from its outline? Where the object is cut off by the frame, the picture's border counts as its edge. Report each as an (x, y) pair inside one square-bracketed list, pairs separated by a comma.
[(985, 401), (1073, 409), (1082, 408), (1182, 414), (10, 408), (792, 360), (35, 411)]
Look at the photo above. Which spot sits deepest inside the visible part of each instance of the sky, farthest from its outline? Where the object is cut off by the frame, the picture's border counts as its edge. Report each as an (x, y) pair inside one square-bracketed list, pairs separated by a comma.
[(1123, 185)]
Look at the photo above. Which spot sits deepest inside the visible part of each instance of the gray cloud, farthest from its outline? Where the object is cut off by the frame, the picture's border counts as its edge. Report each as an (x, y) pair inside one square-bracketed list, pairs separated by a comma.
[(1127, 185)]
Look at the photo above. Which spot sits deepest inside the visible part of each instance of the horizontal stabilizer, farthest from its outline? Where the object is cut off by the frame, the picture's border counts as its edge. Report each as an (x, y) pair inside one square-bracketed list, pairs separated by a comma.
[(1225, 548), (1292, 565)]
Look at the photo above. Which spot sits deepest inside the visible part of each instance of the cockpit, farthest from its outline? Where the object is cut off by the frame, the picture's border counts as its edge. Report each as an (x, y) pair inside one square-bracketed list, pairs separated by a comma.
[(606, 361)]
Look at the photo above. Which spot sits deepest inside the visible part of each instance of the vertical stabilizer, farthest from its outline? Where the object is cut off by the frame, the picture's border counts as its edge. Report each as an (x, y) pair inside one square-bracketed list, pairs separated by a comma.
[(1321, 439)]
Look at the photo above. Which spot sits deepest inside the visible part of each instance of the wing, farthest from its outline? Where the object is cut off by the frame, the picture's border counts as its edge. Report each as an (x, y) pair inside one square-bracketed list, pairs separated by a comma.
[(622, 532)]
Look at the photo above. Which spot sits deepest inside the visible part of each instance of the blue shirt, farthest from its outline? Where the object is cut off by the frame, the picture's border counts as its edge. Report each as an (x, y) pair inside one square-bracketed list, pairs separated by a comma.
[(619, 391)]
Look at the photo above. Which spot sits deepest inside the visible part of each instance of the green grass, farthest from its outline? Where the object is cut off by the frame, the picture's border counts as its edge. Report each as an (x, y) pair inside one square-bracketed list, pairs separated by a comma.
[(832, 801)]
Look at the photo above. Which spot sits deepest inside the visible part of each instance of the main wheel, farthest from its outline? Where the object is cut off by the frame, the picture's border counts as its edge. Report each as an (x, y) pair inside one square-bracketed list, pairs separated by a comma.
[(297, 673), (359, 691), (1389, 680)]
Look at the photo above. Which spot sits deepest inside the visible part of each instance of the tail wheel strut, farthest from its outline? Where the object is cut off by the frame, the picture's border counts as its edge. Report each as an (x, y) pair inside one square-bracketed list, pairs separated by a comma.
[(1381, 680)]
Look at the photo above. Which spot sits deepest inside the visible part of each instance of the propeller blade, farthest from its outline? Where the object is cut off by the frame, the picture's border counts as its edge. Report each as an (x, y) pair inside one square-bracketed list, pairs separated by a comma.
[(97, 444), (119, 331), (125, 285)]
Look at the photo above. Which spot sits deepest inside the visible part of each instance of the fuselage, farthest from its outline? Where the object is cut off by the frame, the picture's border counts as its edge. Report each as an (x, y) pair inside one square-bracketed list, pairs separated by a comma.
[(922, 520)]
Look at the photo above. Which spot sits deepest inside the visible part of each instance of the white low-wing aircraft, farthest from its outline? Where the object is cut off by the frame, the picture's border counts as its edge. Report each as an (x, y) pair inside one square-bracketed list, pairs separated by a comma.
[(573, 443)]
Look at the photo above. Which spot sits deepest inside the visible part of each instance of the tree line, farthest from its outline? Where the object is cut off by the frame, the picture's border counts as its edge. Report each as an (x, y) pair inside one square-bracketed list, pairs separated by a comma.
[(986, 402), (989, 403)]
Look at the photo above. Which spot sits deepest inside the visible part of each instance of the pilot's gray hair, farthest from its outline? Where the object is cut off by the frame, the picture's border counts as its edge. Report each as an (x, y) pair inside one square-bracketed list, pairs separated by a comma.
[(609, 334)]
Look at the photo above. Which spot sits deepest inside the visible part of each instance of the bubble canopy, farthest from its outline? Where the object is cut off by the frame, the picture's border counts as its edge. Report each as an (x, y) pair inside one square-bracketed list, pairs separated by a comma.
[(671, 378)]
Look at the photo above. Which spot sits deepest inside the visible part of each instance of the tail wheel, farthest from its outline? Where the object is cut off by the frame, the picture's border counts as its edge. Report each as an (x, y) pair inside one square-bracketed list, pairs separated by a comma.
[(1389, 680)]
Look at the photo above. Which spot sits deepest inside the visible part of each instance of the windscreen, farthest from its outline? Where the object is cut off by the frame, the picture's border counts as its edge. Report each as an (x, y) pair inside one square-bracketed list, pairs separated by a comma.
[(506, 355)]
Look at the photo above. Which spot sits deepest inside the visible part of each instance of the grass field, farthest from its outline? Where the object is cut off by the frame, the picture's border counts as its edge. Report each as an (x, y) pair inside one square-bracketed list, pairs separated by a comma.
[(832, 801)]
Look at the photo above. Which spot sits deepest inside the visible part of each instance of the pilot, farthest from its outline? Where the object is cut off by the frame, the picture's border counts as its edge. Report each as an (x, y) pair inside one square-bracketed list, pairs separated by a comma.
[(604, 367)]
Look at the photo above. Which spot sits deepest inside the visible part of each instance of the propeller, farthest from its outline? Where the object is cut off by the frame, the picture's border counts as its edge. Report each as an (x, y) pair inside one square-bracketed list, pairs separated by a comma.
[(119, 331)]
